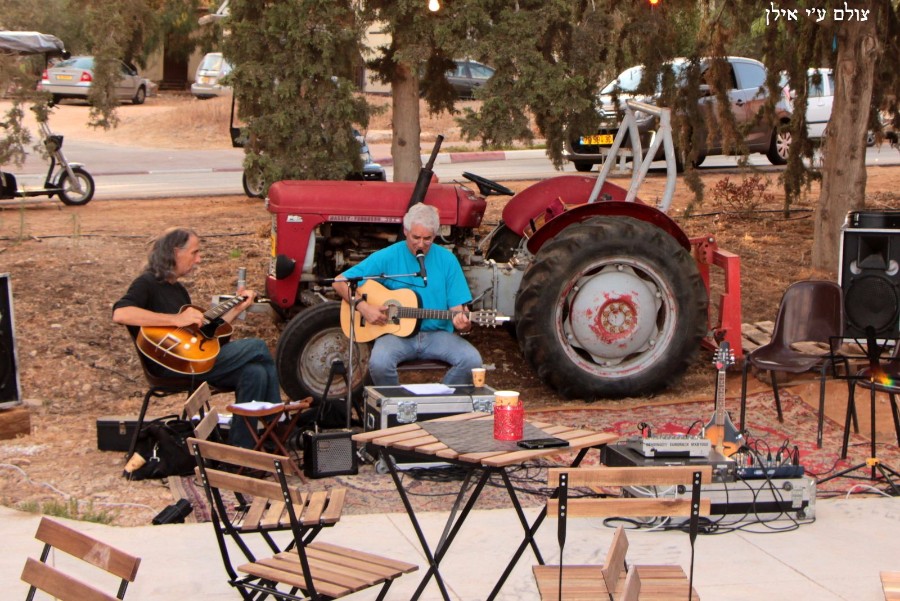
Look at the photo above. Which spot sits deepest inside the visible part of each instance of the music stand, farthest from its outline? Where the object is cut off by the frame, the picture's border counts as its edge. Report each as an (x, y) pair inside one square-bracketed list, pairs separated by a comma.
[(878, 469)]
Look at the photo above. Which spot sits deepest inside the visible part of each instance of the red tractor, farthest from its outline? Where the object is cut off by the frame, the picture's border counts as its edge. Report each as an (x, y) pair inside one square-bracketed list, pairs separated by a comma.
[(609, 297)]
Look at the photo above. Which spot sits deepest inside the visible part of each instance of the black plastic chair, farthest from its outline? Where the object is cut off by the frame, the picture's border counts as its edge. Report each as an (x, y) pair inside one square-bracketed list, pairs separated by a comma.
[(811, 311)]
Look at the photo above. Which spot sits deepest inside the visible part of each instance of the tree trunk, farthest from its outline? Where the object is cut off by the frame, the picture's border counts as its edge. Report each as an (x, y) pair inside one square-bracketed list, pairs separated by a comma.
[(405, 148), (844, 163)]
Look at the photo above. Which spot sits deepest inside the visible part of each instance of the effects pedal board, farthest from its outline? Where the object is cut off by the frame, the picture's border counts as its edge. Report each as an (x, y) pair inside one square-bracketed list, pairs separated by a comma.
[(670, 446)]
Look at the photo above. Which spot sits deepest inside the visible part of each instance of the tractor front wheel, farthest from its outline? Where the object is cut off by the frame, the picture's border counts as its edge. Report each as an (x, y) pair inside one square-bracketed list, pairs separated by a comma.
[(308, 346), (611, 307)]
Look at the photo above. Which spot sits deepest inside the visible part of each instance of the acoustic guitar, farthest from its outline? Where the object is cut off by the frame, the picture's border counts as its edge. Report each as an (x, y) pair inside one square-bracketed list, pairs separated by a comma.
[(190, 349), (403, 313), (721, 431)]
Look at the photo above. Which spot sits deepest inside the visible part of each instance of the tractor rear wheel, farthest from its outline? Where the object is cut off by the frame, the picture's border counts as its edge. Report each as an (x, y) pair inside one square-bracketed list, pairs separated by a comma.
[(611, 307), (309, 344)]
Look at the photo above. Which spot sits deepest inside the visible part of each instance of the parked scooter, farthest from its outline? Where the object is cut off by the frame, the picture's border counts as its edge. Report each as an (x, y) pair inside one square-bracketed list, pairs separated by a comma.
[(70, 181)]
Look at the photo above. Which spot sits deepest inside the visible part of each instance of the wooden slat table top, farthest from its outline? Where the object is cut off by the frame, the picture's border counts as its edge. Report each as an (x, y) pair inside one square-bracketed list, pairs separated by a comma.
[(413, 438)]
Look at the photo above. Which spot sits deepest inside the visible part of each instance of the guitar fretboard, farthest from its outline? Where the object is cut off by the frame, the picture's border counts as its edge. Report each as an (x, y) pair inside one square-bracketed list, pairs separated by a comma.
[(222, 308), (414, 313)]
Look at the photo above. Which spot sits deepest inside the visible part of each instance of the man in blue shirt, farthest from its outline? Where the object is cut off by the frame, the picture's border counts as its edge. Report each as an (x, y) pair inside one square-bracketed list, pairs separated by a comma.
[(445, 289)]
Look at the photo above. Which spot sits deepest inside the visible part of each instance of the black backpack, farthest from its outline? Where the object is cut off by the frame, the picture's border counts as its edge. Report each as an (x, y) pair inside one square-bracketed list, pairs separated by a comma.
[(163, 445)]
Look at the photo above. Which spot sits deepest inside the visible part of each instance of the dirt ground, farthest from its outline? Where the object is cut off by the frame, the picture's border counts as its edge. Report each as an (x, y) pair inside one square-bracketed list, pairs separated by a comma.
[(68, 265)]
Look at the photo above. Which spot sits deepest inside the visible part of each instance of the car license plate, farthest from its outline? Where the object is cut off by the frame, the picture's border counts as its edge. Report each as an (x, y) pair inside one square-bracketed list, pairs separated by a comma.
[(66, 77), (597, 140)]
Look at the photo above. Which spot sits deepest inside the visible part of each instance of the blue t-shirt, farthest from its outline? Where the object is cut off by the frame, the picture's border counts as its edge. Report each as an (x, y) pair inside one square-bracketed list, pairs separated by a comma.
[(447, 286)]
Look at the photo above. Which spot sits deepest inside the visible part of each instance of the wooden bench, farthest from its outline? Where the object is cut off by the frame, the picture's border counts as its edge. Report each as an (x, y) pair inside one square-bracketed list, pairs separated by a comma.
[(320, 570), (51, 580), (597, 582)]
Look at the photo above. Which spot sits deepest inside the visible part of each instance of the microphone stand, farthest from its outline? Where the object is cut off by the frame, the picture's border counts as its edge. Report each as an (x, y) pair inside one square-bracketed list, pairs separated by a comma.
[(353, 283)]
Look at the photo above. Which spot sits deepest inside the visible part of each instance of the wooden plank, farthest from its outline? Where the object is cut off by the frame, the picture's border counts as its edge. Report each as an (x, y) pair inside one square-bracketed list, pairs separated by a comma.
[(314, 508), (413, 443), (236, 455), (580, 582), (335, 509), (14, 422), (580, 440), (197, 401), (630, 476), (633, 507), (86, 548), (60, 585), (890, 584)]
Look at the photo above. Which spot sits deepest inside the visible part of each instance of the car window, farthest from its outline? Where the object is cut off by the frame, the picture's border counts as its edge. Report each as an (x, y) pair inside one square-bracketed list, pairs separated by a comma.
[(830, 83), (627, 81), (77, 62), (212, 62), (480, 71), (460, 70), (749, 76)]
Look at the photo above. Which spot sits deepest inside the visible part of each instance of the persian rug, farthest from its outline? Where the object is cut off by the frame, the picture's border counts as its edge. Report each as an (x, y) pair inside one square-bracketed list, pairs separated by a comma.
[(436, 489)]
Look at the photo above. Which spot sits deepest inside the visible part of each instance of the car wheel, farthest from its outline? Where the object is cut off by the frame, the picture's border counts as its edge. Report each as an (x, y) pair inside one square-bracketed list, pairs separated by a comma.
[(870, 138), (139, 96), (582, 166), (780, 146)]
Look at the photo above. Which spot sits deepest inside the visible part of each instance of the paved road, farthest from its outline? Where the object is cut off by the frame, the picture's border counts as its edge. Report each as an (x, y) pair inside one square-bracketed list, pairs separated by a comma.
[(121, 172)]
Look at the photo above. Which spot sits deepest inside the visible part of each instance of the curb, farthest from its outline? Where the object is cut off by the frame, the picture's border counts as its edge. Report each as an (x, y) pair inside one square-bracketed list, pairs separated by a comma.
[(470, 157)]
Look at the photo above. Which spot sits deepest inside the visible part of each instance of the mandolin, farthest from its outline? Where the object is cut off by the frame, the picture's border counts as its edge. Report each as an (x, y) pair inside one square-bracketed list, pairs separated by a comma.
[(189, 349), (403, 313), (721, 431)]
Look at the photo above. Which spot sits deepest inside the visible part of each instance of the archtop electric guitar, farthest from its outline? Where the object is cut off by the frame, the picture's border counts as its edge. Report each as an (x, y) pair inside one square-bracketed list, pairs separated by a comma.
[(721, 431), (403, 313), (189, 349)]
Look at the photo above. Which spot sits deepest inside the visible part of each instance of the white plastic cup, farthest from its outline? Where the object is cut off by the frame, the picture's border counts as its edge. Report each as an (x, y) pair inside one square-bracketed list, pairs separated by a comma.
[(478, 377), (506, 398)]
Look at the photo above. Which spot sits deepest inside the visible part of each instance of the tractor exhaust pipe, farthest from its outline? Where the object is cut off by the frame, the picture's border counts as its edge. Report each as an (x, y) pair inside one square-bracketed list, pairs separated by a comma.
[(425, 174)]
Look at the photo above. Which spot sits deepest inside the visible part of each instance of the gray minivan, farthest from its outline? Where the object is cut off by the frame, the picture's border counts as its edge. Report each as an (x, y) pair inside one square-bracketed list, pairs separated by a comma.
[(207, 81)]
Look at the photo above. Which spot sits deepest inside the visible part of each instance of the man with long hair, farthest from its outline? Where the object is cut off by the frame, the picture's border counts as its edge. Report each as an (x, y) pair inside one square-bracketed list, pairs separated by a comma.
[(157, 298)]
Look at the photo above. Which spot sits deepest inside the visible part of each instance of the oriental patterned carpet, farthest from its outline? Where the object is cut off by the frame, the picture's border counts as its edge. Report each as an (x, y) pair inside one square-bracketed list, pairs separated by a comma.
[(435, 489)]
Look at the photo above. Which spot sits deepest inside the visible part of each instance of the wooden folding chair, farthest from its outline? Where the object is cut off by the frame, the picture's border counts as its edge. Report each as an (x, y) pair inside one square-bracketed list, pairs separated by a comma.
[(42, 576), (278, 425), (198, 409), (317, 570), (252, 514), (890, 584), (595, 582)]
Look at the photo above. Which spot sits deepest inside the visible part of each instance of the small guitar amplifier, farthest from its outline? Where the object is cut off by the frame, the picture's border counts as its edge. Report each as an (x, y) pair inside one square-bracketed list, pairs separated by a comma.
[(329, 453)]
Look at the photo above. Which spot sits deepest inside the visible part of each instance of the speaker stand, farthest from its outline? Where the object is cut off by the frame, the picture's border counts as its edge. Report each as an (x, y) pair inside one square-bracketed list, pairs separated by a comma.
[(879, 471)]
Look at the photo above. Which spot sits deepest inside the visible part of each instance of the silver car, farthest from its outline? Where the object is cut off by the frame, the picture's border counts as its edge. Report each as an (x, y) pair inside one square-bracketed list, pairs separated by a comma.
[(72, 78), (747, 95), (208, 79)]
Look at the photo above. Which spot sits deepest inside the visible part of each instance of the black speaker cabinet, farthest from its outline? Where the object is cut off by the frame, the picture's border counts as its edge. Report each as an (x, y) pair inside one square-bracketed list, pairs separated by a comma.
[(870, 273), (329, 453), (9, 372)]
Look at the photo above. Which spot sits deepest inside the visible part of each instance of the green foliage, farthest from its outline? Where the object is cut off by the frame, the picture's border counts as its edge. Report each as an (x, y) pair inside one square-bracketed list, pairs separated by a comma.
[(70, 509), (294, 66)]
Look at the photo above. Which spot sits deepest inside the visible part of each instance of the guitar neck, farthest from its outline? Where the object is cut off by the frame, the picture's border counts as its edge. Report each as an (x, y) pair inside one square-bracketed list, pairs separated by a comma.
[(415, 313), (222, 308), (720, 398)]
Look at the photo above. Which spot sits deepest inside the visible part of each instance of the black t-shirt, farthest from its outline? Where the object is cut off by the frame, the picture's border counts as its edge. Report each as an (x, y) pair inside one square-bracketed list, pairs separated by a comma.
[(146, 292)]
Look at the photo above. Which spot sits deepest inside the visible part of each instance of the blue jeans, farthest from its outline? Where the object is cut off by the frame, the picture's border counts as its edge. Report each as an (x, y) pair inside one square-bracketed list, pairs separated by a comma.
[(444, 346), (246, 366)]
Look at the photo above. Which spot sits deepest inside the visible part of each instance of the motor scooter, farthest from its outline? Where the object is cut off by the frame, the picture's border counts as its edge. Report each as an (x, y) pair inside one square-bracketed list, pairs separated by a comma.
[(70, 181)]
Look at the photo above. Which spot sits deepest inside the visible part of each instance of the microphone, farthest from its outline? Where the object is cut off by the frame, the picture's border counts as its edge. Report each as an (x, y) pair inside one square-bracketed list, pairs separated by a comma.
[(420, 257)]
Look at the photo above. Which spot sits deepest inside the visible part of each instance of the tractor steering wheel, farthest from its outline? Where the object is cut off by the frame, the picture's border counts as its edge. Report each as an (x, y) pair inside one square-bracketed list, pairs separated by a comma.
[(487, 187)]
